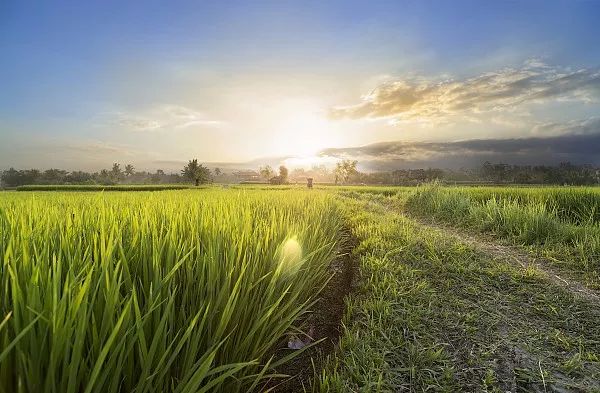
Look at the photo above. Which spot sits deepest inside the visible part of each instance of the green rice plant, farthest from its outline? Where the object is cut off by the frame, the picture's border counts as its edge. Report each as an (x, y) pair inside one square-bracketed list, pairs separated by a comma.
[(179, 291)]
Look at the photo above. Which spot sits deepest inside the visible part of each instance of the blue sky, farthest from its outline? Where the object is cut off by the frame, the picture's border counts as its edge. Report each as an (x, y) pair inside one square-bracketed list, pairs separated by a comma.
[(88, 83)]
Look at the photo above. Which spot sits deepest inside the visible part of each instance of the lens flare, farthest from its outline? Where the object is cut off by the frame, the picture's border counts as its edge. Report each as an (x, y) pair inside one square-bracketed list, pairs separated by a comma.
[(290, 259)]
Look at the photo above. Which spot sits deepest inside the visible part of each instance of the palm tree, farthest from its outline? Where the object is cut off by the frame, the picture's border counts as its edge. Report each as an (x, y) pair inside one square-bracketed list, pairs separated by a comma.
[(129, 169), (116, 173), (196, 172)]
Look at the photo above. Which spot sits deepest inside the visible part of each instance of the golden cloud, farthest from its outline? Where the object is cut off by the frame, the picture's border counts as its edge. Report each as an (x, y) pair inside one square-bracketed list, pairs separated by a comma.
[(505, 90)]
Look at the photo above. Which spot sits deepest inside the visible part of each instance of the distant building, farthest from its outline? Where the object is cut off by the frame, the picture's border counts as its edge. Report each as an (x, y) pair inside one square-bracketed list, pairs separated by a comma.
[(247, 175)]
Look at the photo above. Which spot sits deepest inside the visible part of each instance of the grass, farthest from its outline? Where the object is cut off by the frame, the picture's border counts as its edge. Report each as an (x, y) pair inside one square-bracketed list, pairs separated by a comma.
[(432, 314), (176, 292), (575, 205), (530, 218)]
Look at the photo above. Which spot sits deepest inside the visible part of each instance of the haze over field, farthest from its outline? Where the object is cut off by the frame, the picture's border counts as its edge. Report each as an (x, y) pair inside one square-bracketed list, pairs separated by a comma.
[(391, 84)]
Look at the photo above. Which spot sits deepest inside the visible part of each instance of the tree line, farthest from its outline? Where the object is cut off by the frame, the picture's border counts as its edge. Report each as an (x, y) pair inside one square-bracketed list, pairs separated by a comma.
[(345, 172), (563, 174), (193, 172)]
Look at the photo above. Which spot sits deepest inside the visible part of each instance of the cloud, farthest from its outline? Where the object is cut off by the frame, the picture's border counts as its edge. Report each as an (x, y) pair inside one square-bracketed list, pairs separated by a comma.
[(165, 117), (71, 154), (577, 127), (504, 90), (137, 123), (97, 149), (577, 148), (183, 117)]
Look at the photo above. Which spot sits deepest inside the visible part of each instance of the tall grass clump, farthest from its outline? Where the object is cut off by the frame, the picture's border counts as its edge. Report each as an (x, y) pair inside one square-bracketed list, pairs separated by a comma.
[(528, 217), (432, 199), (530, 224), (180, 291), (576, 205), (530, 221)]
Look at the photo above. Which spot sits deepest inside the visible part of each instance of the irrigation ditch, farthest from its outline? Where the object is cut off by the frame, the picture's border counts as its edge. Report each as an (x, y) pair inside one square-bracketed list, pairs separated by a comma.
[(322, 325)]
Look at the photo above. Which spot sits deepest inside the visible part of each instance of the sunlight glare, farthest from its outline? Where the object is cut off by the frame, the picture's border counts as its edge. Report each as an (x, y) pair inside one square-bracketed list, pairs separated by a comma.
[(301, 130), (290, 259)]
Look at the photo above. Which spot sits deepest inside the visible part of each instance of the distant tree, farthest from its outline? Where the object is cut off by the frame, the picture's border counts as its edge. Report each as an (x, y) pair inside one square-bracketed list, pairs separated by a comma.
[(15, 178), (433, 174), (298, 172), (522, 178), (218, 172), (11, 178), (79, 177), (196, 172), (345, 169), (157, 176), (498, 173), (283, 173), (266, 172), (282, 178), (53, 176), (105, 177), (319, 173), (129, 170), (116, 173)]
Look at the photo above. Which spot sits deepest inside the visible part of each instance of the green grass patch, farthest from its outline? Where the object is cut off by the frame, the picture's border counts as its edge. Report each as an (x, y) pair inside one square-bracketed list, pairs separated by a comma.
[(573, 245), (432, 314)]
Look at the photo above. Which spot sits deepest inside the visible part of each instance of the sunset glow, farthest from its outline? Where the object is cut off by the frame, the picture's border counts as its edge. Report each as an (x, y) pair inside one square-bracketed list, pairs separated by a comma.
[(244, 84)]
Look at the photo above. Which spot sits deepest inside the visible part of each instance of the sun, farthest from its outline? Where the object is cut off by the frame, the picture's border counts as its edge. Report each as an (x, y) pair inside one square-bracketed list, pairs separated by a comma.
[(303, 132), (304, 135)]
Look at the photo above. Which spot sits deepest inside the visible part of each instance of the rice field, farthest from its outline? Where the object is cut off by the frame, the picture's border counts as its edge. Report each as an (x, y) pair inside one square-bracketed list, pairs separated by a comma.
[(208, 290), (183, 291), (100, 187)]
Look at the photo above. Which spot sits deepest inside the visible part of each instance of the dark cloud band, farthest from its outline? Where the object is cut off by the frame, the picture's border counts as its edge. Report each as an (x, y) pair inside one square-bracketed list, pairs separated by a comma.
[(576, 148)]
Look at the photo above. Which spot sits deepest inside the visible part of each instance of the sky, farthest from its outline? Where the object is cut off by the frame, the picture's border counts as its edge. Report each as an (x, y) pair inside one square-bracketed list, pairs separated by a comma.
[(232, 83)]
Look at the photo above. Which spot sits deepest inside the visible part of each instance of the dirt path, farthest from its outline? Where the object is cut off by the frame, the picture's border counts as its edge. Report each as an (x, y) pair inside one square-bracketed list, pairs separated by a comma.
[(513, 355), (514, 255)]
